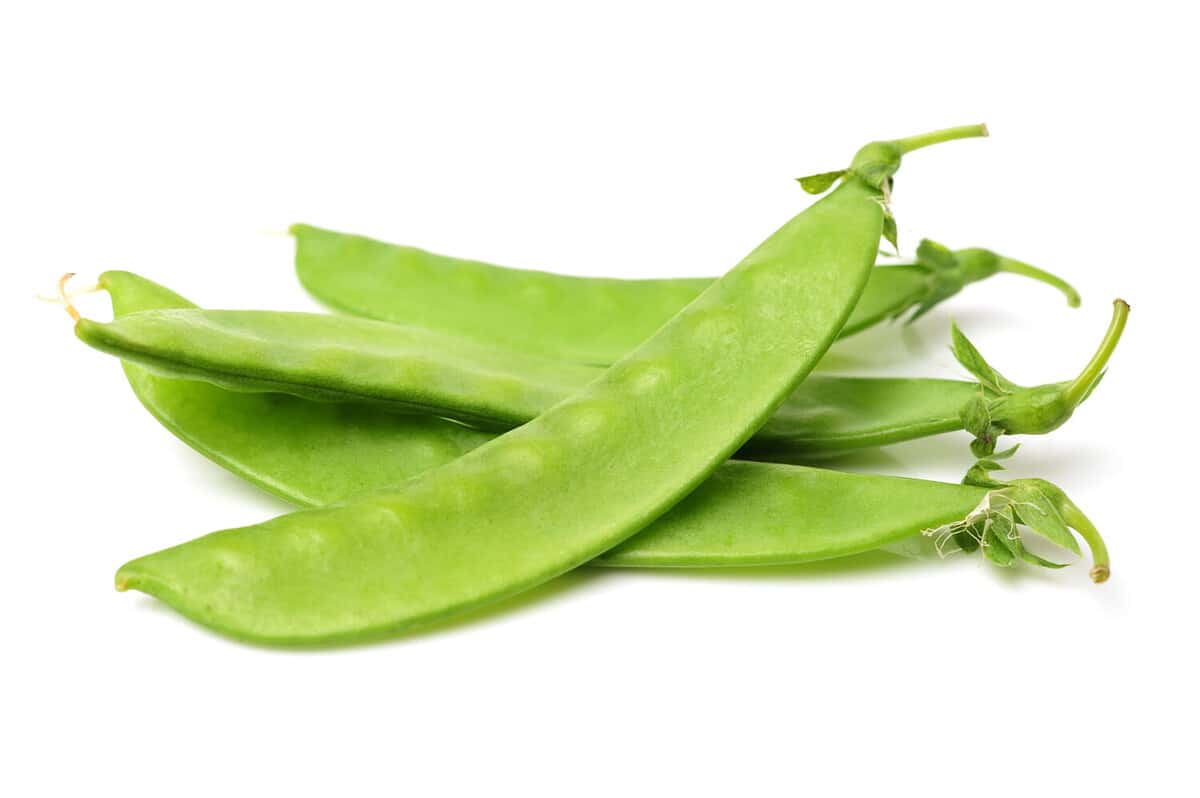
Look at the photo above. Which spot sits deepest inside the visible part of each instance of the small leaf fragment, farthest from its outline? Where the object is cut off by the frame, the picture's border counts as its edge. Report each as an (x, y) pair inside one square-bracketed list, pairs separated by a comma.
[(1007, 453), (1033, 559), (966, 541), (819, 184), (1037, 511), (975, 415), (936, 256), (890, 233), (978, 476), (970, 359), (996, 551), (1003, 531), (927, 304), (984, 445)]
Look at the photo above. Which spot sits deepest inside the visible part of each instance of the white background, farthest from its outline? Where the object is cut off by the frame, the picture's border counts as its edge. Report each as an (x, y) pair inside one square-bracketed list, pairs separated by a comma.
[(630, 140)]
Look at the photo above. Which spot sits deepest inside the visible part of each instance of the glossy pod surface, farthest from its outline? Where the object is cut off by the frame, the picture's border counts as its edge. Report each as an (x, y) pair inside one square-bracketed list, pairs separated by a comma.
[(751, 513), (589, 320), (330, 358), (581, 319)]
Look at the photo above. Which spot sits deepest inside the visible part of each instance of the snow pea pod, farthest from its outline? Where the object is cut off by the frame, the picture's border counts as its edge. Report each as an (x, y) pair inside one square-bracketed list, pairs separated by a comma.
[(323, 357), (579, 479), (800, 515), (583, 319)]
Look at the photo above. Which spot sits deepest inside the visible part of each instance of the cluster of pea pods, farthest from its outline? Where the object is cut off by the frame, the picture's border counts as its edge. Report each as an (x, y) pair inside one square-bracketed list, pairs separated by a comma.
[(461, 431)]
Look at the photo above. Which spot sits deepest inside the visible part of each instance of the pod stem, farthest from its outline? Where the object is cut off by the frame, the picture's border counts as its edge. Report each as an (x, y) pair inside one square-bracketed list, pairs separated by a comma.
[(1082, 385), (907, 145), (1091, 536), (1033, 272)]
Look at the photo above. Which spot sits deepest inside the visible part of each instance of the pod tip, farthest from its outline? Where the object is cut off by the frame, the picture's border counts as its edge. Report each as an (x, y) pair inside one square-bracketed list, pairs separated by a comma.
[(62, 295), (1099, 574)]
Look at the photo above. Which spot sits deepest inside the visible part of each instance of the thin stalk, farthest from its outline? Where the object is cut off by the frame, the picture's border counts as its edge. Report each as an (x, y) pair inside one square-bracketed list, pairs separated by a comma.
[(1078, 389), (1091, 536), (907, 145), (1024, 269)]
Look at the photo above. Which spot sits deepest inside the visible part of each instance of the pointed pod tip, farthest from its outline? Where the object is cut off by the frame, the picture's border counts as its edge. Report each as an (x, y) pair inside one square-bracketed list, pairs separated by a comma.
[(121, 583), (983, 130)]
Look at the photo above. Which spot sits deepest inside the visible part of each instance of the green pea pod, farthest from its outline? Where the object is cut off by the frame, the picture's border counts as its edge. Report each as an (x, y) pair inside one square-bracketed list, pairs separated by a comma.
[(573, 483), (315, 453), (413, 369), (583, 319), (309, 453)]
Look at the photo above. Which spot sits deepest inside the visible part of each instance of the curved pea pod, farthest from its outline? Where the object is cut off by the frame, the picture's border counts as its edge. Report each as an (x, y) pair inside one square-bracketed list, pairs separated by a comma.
[(800, 515), (584, 319), (576, 481), (418, 370), (330, 358), (309, 453), (745, 514)]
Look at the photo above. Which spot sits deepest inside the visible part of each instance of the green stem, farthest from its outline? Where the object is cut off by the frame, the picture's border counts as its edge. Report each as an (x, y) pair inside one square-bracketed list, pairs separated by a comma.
[(1082, 384), (1091, 536), (1024, 269), (907, 145)]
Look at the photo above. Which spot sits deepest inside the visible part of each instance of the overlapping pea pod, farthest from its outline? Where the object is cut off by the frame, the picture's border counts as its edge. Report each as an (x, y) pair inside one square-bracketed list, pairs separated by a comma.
[(315, 453), (341, 358), (575, 482), (584, 319)]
